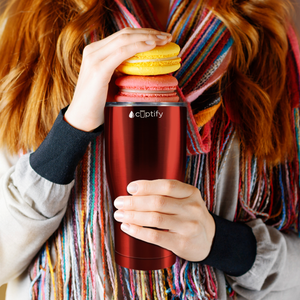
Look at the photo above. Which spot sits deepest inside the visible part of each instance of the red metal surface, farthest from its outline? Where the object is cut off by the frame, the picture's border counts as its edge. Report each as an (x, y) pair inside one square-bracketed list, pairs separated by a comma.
[(151, 144)]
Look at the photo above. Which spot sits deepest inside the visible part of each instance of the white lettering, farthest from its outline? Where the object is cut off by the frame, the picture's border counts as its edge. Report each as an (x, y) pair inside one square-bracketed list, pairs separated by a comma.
[(146, 114)]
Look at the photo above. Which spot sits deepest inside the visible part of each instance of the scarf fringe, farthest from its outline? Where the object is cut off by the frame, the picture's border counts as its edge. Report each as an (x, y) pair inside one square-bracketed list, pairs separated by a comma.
[(67, 266), (71, 270)]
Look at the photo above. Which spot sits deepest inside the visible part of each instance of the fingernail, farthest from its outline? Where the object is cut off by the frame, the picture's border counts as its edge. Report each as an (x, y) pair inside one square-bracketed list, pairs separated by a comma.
[(165, 33), (125, 226), (132, 188), (118, 215), (150, 42), (119, 203), (161, 37)]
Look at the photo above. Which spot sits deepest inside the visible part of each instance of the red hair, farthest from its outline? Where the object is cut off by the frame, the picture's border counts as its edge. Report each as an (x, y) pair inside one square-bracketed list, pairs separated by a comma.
[(41, 51), (255, 86)]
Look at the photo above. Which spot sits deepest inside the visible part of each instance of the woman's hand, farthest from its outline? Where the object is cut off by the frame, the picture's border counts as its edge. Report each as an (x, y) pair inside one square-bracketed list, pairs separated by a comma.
[(170, 205), (99, 61)]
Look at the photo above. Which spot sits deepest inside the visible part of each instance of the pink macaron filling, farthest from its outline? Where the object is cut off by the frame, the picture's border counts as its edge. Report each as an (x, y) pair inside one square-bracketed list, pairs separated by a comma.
[(160, 88)]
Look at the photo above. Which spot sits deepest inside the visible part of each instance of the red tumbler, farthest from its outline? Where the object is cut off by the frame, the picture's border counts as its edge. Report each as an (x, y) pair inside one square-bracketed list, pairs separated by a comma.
[(143, 141)]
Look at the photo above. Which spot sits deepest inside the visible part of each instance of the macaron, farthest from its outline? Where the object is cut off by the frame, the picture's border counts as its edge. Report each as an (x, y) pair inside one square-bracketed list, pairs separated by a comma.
[(160, 60), (161, 88)]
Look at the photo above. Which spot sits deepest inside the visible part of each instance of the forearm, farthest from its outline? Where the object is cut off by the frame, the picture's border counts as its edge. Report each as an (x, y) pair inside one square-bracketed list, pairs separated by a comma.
[(277, 264), (31, 209), (34, 195)]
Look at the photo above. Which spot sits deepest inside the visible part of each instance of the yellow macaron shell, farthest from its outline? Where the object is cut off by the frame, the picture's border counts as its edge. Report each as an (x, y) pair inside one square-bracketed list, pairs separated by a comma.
[(160, 60)]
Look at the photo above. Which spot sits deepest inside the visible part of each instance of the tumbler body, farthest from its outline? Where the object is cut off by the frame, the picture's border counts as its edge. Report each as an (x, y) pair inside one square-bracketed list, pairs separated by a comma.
[(143, 141)]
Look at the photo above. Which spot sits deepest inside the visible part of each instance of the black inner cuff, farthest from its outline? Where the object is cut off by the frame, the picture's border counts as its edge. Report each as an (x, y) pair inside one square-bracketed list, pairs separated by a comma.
[(58, 156), (234, 247)]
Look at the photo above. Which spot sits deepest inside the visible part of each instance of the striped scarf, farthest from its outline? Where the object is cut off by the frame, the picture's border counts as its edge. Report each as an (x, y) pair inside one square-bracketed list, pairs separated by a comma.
[(68, 265)]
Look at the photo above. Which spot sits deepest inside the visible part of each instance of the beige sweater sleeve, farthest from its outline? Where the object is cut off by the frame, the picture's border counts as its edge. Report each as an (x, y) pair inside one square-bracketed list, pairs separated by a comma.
[(6, 161), (31, 209), (275, 274)]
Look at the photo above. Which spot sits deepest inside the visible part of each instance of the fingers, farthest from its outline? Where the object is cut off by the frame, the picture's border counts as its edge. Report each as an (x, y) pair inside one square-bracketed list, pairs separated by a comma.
[(165, 187), (161, 238), (149, 219), (156, 203), (126, 47), (109, 64), (99, 61), (189, 239), (101, 64), (130, 39), (126, 37), (129, 30), (105, 58)]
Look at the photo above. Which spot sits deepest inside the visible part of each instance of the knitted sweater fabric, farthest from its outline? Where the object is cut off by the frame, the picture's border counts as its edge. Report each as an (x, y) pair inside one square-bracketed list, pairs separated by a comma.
[(250, 260), (32, 207)]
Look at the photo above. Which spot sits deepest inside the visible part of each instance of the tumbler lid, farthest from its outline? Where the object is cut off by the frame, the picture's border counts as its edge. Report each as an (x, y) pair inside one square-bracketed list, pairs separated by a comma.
[(179, 104)]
